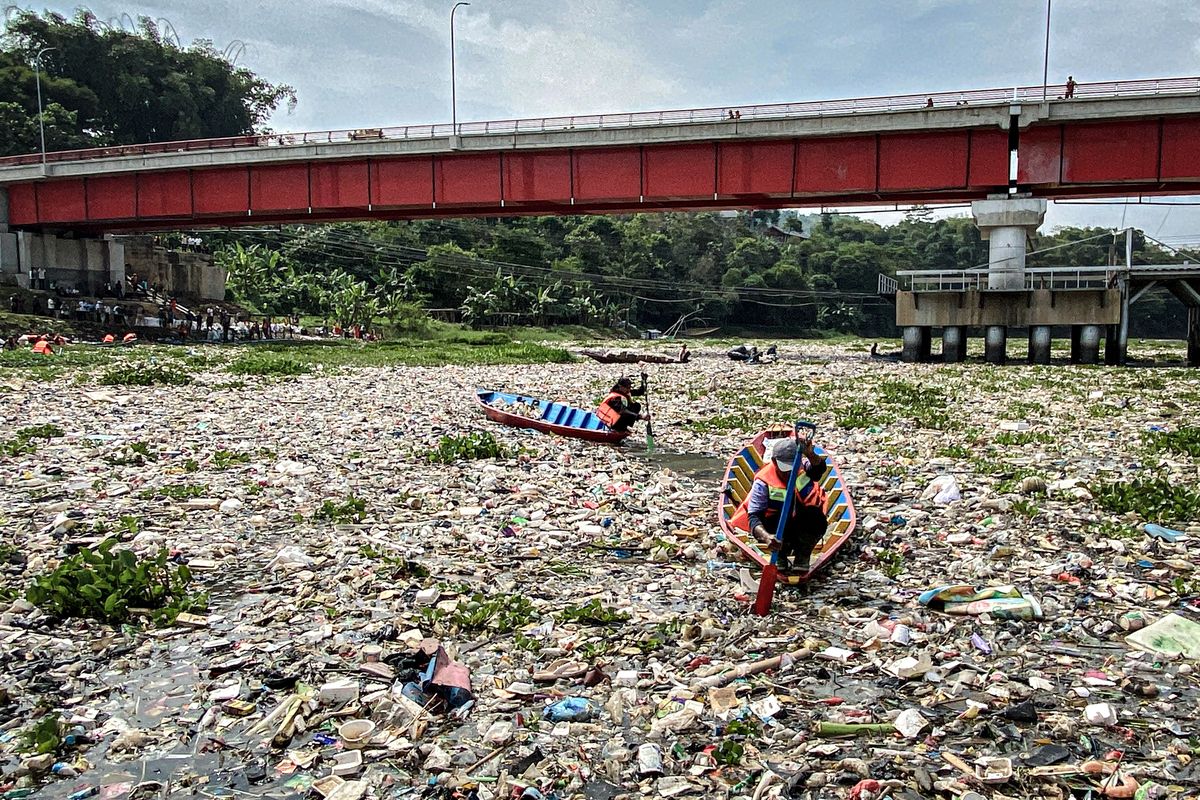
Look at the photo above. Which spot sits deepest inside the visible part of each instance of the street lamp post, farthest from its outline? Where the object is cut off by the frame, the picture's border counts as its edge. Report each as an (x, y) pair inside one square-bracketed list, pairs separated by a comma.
[(37, 77), (1046, 62), (453, 86)]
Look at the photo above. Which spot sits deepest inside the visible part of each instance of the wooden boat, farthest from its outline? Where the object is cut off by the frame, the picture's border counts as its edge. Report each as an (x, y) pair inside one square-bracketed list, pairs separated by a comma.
[(739, 475), (549, 417), (625, 357)]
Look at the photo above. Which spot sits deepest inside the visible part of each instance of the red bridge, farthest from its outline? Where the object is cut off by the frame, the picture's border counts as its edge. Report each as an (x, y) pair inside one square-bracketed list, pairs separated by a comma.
[(1110, 139)]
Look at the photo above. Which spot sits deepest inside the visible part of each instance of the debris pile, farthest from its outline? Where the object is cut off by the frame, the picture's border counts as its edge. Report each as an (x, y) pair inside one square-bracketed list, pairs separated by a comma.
[(285, 594)]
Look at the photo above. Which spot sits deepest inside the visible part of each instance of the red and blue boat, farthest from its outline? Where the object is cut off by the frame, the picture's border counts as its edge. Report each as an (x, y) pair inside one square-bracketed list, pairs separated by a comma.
[(519, 411), (739, 476)]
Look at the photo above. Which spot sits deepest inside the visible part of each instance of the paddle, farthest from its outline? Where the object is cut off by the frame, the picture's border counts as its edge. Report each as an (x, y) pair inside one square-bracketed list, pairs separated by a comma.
[(770, 573), (649, 422)]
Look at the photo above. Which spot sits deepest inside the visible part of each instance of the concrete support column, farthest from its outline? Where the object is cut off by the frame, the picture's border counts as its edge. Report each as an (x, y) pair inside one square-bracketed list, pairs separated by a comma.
[(1089, 344), (115, 258), (1193, 336), (1114, 348), (995, 344), (954, 344), (916, 344), (1005, 223), (1039, 344)]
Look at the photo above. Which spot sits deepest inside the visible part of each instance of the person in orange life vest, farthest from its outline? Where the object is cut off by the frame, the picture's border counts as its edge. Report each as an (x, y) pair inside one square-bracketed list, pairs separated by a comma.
[(763, 505), (618, 411), (109, 338), (42, 346)]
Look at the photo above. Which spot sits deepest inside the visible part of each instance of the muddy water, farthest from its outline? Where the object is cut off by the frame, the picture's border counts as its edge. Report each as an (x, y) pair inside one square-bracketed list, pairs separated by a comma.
[(704, 468)]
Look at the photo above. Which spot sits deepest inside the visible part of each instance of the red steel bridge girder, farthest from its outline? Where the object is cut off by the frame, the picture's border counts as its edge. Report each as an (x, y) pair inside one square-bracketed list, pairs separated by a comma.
[(1069, 159)]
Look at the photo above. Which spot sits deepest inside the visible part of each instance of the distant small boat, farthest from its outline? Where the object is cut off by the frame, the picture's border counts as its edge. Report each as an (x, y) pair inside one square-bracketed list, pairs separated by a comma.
[(739, 475), (546, 416), (625, 357)]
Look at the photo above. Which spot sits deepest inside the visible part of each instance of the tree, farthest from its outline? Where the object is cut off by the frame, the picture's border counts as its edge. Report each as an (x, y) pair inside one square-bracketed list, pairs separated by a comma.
[(113, 86)]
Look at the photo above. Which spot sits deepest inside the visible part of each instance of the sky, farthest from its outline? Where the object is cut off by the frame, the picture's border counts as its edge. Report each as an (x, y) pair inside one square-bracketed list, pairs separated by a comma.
[(371, 63)]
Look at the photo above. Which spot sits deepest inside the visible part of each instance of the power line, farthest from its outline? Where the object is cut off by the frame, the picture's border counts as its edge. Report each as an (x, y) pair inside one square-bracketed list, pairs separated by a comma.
[(390, 254)]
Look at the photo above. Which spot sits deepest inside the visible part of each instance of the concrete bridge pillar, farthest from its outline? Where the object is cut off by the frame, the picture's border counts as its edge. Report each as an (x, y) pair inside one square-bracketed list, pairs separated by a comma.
[(1114, 347), (916, 344), (1005, 223), (1085, 344), (1193, 336), (954, 344), (1039, 344), (995, 344)]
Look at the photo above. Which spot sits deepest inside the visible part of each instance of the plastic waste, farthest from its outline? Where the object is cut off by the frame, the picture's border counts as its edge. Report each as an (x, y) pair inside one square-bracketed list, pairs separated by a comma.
[(570, 709), (1100, 714), (291, 557), (942, 490)]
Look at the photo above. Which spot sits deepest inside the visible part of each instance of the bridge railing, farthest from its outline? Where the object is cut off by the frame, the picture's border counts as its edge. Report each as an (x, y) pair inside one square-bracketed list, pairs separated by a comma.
[(1058, 279), (727, 114)]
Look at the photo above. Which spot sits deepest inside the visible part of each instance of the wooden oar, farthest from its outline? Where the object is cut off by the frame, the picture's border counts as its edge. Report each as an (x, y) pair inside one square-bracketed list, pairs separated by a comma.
[(649, 422), (770, 573)]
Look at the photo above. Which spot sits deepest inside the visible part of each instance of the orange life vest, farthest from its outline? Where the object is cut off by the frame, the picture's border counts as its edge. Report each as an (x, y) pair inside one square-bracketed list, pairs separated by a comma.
[(109, 338), (609, 415), (129, 337), (808, 493), (43, 347)]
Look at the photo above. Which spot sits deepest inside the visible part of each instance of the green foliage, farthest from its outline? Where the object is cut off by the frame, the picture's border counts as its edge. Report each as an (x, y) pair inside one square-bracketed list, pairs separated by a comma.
[(351, 511), (1184, 441), (592, 612), (268, 364), (499, 613), (109, 585), (729, 753), (891, 563), (725, 423), (105, 85), (224, 459), (145, 375), (663, 633), (530, 644), (1152, 499), (176, 491), (1024, 409), (133, 454), (860, 415), (1026, 508), (469, 447), (394, 567), (23, 443), (1011, 439), (744, 727), (43, 736), (956, 451), (1185, 588), (1109, 529)]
